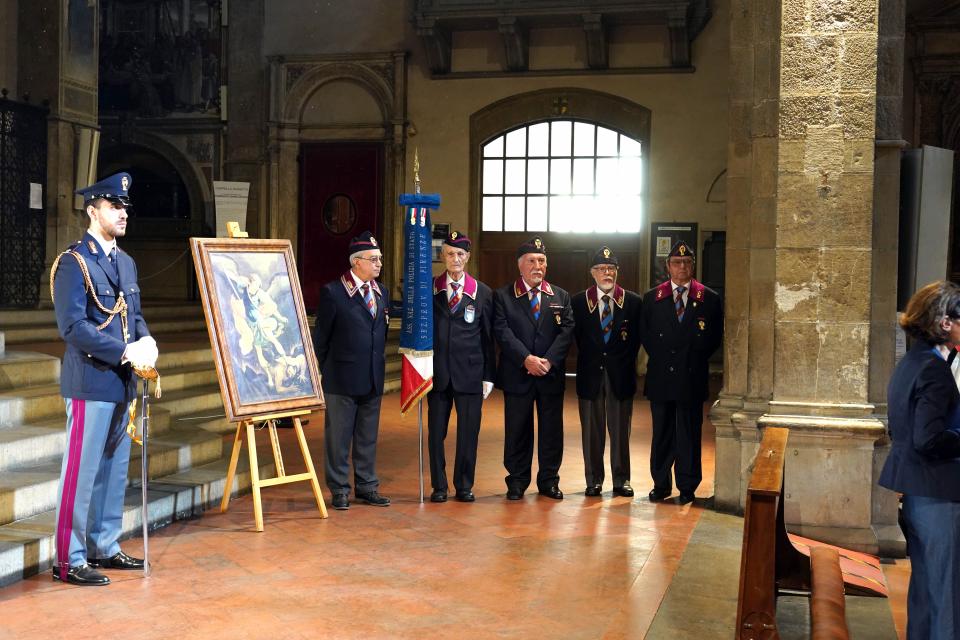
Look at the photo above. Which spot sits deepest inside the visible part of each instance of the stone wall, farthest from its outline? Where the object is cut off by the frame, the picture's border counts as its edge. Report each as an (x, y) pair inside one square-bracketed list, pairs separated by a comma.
[(8, 46)]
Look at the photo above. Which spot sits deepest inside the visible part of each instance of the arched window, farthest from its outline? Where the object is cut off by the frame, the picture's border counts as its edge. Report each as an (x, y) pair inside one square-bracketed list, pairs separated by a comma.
[(562, 176)]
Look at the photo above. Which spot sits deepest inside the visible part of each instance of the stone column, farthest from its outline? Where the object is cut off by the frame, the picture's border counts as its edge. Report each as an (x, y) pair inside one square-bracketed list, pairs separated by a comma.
[(751, 225), (60, 67), (799, 332)]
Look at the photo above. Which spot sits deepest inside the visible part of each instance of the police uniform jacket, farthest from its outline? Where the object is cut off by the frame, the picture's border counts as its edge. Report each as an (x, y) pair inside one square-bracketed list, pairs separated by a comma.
[(679, 351), (925, 457), (618, 356), (348, 341), (520, 335), (463, 352), (91, 361)]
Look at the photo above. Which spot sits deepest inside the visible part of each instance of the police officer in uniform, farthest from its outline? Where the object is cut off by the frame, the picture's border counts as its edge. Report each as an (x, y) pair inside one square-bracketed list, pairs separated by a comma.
[(463, 367), (97, 304), (349, 339), (533, 324), (682, 326), (607, 332)]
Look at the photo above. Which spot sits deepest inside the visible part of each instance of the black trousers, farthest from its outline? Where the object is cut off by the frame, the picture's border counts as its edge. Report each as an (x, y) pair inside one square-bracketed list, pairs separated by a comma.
[(469, 406), (605, 413), (518, 438), (351, 421), (677, 427)]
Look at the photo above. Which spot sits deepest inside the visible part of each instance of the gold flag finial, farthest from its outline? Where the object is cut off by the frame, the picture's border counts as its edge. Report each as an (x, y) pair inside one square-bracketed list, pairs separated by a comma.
[(416, 169)]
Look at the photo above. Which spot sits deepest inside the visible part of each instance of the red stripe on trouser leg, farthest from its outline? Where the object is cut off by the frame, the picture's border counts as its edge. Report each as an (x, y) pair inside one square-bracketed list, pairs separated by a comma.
[(69, 492)]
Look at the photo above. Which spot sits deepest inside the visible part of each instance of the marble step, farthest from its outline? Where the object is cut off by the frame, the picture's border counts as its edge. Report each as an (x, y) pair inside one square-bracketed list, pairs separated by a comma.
[(17, 334), (25, 369), (27, 545), (28, 490)]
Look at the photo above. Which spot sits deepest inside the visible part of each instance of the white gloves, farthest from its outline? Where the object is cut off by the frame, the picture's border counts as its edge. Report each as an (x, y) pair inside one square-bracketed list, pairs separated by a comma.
[(487, 388), (142, 353)]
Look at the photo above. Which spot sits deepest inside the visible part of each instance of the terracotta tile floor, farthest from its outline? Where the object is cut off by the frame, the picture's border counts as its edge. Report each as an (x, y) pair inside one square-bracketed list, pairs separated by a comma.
[(580, 568)]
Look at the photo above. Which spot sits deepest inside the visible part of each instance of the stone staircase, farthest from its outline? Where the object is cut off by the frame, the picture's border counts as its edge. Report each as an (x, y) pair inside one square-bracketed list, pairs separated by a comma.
[(188, 455)]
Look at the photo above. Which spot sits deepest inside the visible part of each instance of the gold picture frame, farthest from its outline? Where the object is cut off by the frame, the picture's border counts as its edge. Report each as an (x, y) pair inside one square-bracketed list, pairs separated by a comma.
[(258, 328)]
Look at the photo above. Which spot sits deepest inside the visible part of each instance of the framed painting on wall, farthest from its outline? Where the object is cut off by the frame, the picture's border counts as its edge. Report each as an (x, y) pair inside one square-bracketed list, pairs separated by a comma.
[(258, 327)]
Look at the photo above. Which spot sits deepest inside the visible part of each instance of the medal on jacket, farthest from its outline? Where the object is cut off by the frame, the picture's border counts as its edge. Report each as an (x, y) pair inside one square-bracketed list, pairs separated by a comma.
[(702, 324), (556, 317), (623, 335), (469, 313)]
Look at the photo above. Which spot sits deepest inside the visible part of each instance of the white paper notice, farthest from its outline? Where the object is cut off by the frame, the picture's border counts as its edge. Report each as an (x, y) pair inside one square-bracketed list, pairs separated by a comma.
[(231, 202), (36, 196)]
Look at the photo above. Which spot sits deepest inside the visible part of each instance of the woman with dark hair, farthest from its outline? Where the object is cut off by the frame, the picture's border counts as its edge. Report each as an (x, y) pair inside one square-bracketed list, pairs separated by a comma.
[(924, 462)]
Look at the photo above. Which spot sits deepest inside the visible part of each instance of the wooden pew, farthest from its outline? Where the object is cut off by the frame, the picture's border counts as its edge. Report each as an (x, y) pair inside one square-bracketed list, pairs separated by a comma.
[(770, 563)]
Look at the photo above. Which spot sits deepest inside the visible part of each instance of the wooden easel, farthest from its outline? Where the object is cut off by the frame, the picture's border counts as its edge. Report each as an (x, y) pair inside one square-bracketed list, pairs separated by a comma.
[(282, 478), (233, 230)]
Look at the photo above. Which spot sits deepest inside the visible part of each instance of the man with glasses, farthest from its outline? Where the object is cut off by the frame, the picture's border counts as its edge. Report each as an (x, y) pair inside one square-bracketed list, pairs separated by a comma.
[(463, 367), (607, 332), (533, 323), (682, 325), (349, 340)]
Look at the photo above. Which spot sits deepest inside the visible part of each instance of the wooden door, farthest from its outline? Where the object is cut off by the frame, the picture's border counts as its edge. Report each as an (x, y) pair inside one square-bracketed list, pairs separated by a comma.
[(340, 197)]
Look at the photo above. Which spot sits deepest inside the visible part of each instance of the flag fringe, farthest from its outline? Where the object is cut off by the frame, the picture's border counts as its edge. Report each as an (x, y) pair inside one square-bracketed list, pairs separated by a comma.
[(413, 353), (418, 395)]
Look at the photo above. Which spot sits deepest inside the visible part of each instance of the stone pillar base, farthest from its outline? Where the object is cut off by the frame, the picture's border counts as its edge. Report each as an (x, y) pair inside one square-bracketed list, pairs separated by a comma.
[(830, 481)]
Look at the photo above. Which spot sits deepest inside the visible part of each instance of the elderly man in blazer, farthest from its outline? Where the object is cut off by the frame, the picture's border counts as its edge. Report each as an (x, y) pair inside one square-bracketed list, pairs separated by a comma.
[(96, 299), (533, 324), (349, 339), (608, 339), (463, 367), (682, 327)]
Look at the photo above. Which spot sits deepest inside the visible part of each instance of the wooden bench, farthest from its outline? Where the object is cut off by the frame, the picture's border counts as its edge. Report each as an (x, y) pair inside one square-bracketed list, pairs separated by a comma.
[(770, 564)]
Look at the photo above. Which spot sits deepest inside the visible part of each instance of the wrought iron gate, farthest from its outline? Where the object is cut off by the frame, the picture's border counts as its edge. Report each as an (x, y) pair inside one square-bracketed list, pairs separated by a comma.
[(23, 162)]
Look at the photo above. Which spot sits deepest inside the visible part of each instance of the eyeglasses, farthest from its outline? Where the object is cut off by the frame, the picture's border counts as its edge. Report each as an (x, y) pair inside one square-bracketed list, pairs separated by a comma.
[(686, 262), (373, 260), (604, 269)]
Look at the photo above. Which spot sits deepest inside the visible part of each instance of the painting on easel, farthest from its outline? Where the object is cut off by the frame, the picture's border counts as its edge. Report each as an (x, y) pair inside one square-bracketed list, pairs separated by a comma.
[(258, 328)]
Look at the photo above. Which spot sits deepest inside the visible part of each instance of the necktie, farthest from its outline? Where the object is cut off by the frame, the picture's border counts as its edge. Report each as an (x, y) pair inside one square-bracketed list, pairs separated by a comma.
[(535, 303), (112, 256), (368, 298), (606, 318), (455, 297), (679, 303)]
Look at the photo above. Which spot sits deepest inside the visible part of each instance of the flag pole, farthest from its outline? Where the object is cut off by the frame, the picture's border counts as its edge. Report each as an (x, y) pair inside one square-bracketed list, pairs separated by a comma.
[(420, 443)]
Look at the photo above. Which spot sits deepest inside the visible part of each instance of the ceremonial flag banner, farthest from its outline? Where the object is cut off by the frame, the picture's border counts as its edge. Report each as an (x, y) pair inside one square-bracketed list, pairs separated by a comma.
[(416, 331)]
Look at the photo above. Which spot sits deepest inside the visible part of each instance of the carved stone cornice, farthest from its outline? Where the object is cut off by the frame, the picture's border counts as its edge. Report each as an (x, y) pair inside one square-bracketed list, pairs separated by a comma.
[(436, 20)]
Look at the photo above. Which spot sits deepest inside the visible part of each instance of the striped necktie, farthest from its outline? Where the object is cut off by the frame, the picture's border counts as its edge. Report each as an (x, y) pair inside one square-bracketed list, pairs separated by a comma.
[(606, 318), (368, 298), (679, 303), (454, 297), (535, 303)]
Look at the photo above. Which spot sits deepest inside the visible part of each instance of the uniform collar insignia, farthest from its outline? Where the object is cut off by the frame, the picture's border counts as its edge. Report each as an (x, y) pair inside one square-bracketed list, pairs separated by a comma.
[(351, 286), (664, 290), (594, 295), (469, 285), (696, 290), (92, 245), (520, 289)]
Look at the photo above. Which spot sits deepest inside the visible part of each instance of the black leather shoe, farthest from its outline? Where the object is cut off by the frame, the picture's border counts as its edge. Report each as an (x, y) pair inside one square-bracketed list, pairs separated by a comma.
[(84, 576), (685, 498), (593, 491), (626, 490), (119, 560), (438, 496), (552, 492), (465, 495), (374, 499), (658, 495), (341, 502), (514, 493)]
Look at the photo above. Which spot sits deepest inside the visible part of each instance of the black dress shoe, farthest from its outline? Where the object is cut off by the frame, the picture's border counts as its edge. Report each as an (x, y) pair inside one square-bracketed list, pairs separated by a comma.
[(374, 499), (465, 495), (119, 560), (593, 491), (626, 490), (658, 495), (552, 492), (84, 576), (341, 502), (514, 494), (685, 498), (438, 496)]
